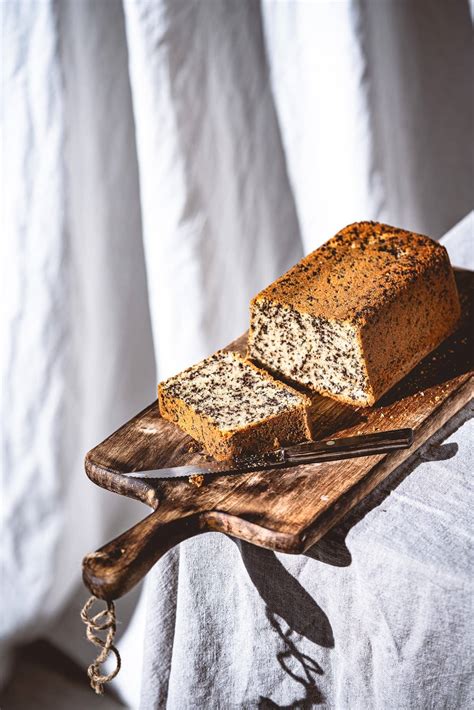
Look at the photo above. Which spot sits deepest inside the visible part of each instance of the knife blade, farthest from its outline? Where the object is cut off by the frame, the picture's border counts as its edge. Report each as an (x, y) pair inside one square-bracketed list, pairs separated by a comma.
[(309, 452)]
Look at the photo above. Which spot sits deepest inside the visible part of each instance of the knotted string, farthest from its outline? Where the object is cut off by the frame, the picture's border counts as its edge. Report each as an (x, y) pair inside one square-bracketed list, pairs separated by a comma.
[(103, 621)]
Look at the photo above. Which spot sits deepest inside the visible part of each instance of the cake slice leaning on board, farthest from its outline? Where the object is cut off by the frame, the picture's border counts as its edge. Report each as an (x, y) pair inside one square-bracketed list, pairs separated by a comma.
[(233, 408), (355, 316)]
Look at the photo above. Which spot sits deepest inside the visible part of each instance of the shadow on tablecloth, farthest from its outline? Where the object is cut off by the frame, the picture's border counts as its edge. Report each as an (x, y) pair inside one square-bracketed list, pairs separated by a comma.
[(287, 601)]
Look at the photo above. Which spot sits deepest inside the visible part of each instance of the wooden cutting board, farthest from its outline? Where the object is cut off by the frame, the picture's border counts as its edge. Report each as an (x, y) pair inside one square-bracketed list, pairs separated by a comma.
[(285, 510)]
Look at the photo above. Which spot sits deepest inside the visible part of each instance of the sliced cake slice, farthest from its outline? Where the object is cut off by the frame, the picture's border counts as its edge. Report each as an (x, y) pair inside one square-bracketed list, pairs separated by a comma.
[(356, 315), (234, 408)]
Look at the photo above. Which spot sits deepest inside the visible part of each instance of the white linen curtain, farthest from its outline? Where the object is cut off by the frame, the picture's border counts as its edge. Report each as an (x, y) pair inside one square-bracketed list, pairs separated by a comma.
[(162, 161)]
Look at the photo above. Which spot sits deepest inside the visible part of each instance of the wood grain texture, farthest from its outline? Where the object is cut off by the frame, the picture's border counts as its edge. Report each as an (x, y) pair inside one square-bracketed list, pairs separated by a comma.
[(285, 510)]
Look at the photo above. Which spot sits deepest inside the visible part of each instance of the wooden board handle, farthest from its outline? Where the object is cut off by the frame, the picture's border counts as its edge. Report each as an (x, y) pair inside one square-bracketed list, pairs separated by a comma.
[(119, 565)]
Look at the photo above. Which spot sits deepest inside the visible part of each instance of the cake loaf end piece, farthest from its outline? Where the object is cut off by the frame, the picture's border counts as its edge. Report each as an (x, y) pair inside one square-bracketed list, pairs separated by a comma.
[(355, 316), (234, 408)]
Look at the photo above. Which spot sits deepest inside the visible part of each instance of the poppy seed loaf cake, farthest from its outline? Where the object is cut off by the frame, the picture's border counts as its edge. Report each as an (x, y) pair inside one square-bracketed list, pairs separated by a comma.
[(356, 315), (233, 408)]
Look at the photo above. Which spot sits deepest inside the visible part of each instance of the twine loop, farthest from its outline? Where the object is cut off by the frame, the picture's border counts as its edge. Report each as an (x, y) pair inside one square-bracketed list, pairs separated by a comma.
[(105, 620)]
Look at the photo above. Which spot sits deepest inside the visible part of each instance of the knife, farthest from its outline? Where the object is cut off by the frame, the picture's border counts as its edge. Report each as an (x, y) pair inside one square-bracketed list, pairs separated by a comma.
[(309, 452)]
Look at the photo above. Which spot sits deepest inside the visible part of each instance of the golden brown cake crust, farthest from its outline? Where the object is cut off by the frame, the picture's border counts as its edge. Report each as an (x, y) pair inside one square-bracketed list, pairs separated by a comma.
[(284, 428), (392, 289), (353, 274)]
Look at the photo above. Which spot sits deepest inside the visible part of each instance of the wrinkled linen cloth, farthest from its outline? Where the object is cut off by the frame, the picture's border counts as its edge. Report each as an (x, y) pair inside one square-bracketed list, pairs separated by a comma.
[(376, 615)]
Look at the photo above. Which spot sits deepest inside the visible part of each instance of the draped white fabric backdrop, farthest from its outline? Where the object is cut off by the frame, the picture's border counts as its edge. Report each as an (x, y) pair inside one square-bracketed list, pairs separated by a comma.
[(162, 161)]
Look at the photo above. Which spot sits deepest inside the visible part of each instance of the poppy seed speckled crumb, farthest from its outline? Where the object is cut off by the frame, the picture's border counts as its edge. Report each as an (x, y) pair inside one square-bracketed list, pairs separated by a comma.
[(234, 408)]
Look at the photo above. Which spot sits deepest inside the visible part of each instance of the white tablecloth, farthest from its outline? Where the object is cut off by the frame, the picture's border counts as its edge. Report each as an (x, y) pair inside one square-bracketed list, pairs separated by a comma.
[(376, 615)]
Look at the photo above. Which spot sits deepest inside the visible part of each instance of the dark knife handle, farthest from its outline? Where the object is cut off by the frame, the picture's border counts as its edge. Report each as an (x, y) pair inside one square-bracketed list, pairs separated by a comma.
[(380, 442)]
